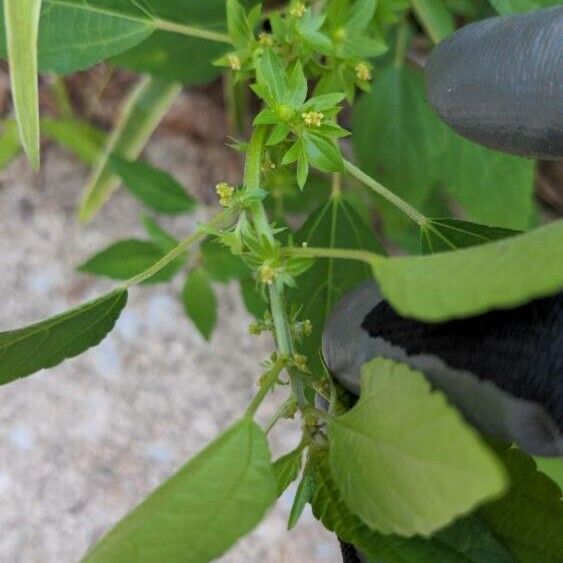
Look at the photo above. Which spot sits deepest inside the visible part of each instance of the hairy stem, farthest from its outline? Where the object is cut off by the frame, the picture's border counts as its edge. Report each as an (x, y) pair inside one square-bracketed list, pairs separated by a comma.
[(218, 221), (385, 193), (343, 253), (252, 176)]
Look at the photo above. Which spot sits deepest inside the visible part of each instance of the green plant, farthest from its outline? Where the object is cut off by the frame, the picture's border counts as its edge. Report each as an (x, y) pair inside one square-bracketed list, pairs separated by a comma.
[(358, 467)]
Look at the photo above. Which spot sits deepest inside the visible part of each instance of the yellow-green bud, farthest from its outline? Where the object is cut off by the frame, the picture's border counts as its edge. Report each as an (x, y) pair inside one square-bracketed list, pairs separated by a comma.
[(266, 274), (234, 62), (363, 71), (225, 193), (265, 39), (313, 118), (298, 10)]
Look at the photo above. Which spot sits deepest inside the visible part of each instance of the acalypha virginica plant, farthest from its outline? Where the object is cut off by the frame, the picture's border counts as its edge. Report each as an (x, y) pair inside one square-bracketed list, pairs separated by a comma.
[(327, 107)]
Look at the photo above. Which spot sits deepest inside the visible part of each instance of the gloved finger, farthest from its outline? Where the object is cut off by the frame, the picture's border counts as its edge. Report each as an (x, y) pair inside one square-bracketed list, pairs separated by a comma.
[(499, 82), (503, 369)]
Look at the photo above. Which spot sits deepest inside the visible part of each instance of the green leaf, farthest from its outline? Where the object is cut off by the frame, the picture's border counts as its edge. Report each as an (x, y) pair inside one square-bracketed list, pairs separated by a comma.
[(335, 225), (200, 302), (50, 342), (271, 74), (253, 299), (552, 467), (397, 138), (322, 153), (435, 17), (493, 188), (143, 110), (404, 460), (79, 137), (155, 188), (21, 19), (220, 263), (507, 7), (200, 512), (127, 258), (159, 35), (303, 496), (529, 519), (441, 235), (9, 142), (498, 275), (237, 23), (286, 469), (455, 544)]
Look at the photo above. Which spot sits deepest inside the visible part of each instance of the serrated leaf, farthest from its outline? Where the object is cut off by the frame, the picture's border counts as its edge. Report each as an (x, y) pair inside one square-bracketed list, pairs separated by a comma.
[(81, 138), (286, 469), (455, 544), (200, 302), (155, 188), (200, 512), (271, 74), (144, 108), (125, 259), (404, 460), (435, 17), (303, 496), (441, 235), (529, 519), (335, 225), (48, 343), (21, 23), (499, 275)]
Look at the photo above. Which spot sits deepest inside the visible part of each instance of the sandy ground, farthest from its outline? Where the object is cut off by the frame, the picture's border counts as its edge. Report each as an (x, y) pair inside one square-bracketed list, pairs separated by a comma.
[(81, 444)]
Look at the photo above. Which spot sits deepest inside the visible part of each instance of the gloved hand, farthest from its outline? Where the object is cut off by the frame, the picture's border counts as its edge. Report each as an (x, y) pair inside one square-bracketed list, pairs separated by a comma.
[(498, 82)]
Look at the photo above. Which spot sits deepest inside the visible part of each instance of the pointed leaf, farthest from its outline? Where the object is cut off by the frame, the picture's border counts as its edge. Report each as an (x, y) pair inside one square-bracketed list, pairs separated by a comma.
[(303, 496), (322, 153), (125, 259), (162, 238), (200, 512), (286, 468), (404, 460), (50, 342), (441, 235), (21, 18), (499, 275), (435, 17), (143, 110), (155, 188)]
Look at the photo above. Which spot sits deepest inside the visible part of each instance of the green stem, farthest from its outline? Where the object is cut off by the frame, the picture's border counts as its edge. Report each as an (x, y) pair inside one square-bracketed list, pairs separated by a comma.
[(271, 378), (62, 98), (217, 221), (385, 193), (252, 177), (401, 44), (280, 413), (343, 253)]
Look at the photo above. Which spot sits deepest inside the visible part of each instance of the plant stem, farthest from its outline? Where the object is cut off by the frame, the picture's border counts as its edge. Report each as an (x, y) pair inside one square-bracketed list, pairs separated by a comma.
[(271, 377), (280, 412), (252, 176), (343, 253), (217, 221), (401, 44), (385, 193)]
